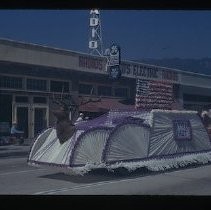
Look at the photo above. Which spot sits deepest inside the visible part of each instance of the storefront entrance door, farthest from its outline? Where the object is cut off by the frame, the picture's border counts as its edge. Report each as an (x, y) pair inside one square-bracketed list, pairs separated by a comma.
[(31, 119), (40, 119), (22, 115)]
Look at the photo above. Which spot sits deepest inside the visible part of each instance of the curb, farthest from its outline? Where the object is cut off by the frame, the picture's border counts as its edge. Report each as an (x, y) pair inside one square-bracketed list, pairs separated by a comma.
[(14, 154), (14, 151)]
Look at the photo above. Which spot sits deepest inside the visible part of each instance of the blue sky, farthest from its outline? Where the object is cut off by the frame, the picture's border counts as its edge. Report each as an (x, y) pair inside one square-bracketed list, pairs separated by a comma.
[(140, 33)]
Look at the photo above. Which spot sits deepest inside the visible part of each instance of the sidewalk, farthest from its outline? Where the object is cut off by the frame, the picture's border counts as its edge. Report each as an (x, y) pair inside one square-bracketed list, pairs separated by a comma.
[(14, 150)]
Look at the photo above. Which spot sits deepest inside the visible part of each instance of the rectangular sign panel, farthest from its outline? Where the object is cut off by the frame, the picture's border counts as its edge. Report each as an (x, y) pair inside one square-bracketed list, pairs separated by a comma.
[(182, 130)]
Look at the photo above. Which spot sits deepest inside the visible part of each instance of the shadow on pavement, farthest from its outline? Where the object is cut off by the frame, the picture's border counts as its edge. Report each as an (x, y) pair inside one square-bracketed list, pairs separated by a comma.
[(99, 175)]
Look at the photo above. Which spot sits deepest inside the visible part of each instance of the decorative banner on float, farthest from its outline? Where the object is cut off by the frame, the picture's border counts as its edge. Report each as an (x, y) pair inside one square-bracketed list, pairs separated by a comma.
[(182, 130), (113, 63), (151, 94)]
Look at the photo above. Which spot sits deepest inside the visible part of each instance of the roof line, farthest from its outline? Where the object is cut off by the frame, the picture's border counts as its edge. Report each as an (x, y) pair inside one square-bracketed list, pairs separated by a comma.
[(6, 40)]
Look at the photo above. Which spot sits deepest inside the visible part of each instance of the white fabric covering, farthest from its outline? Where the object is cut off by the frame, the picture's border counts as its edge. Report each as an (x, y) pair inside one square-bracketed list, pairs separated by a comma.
[(51, 151), (90, 147), (40, 141), (129, 141), (162, 140)]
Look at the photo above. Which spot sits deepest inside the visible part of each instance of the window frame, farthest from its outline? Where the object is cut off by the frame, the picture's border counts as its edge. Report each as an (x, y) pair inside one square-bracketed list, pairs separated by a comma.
[(38, 79), (58, 80), (13, 76)]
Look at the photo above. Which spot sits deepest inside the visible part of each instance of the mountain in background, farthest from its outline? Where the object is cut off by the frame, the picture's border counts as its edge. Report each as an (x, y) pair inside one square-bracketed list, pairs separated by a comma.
[(202, 66)]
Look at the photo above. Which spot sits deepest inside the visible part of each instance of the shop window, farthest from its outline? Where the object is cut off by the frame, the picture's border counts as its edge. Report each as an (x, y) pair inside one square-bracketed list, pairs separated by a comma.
[(85, 88), (40, 100), (11, 82), (120, 92), (197, 107), (36, 84), (21, 99), (196, 98), (59, 86), (104, 91), (176, 90)]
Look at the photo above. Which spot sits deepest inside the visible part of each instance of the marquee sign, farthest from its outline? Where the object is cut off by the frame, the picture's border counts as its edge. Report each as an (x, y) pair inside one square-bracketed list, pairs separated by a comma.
[(113, 62), (94, 23), (114, 55), (182, 130), (114, 72)]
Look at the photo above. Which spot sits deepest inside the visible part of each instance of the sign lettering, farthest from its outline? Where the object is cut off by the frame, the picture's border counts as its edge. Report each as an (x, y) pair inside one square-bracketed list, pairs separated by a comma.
[(132, 70), (90, 63), (182, 130), (125, 69), (169, 75), (148, 72), (94, 21)]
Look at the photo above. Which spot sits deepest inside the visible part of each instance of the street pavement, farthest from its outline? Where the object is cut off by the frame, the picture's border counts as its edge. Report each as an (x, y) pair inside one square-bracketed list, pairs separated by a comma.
[(14, 150), (18, 178)]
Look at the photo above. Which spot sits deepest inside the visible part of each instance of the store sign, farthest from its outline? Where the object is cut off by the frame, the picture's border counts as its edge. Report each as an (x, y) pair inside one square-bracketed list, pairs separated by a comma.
[(94, 23), (90, 63), (182, 130), (114, 72), (93, 44), (113, 62), (148, 72), (114, 55), (128, 69)]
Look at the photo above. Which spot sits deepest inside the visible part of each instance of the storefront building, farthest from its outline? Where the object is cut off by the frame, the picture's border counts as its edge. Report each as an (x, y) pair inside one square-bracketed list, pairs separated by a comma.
[(31, 76)]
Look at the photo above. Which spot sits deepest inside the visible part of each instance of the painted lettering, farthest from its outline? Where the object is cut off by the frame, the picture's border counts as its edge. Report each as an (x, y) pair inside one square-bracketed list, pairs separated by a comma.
[(125, 68), (135, 70), (90, 63), (169, 75)]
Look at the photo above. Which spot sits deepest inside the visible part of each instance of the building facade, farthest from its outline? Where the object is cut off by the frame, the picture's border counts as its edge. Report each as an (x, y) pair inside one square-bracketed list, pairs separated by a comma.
[(32, 76)]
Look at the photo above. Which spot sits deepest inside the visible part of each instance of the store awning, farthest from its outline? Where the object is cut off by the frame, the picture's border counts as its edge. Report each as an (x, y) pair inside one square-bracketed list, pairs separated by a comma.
[(105, 105)]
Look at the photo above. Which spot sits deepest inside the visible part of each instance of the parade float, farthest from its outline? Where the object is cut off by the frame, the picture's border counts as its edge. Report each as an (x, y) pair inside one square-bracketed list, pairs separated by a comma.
[(157, 140), (152, 136)]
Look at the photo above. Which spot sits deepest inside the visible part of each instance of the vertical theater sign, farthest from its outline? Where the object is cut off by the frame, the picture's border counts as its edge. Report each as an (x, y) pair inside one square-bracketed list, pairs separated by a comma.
[(113, 62), (95, 36)]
